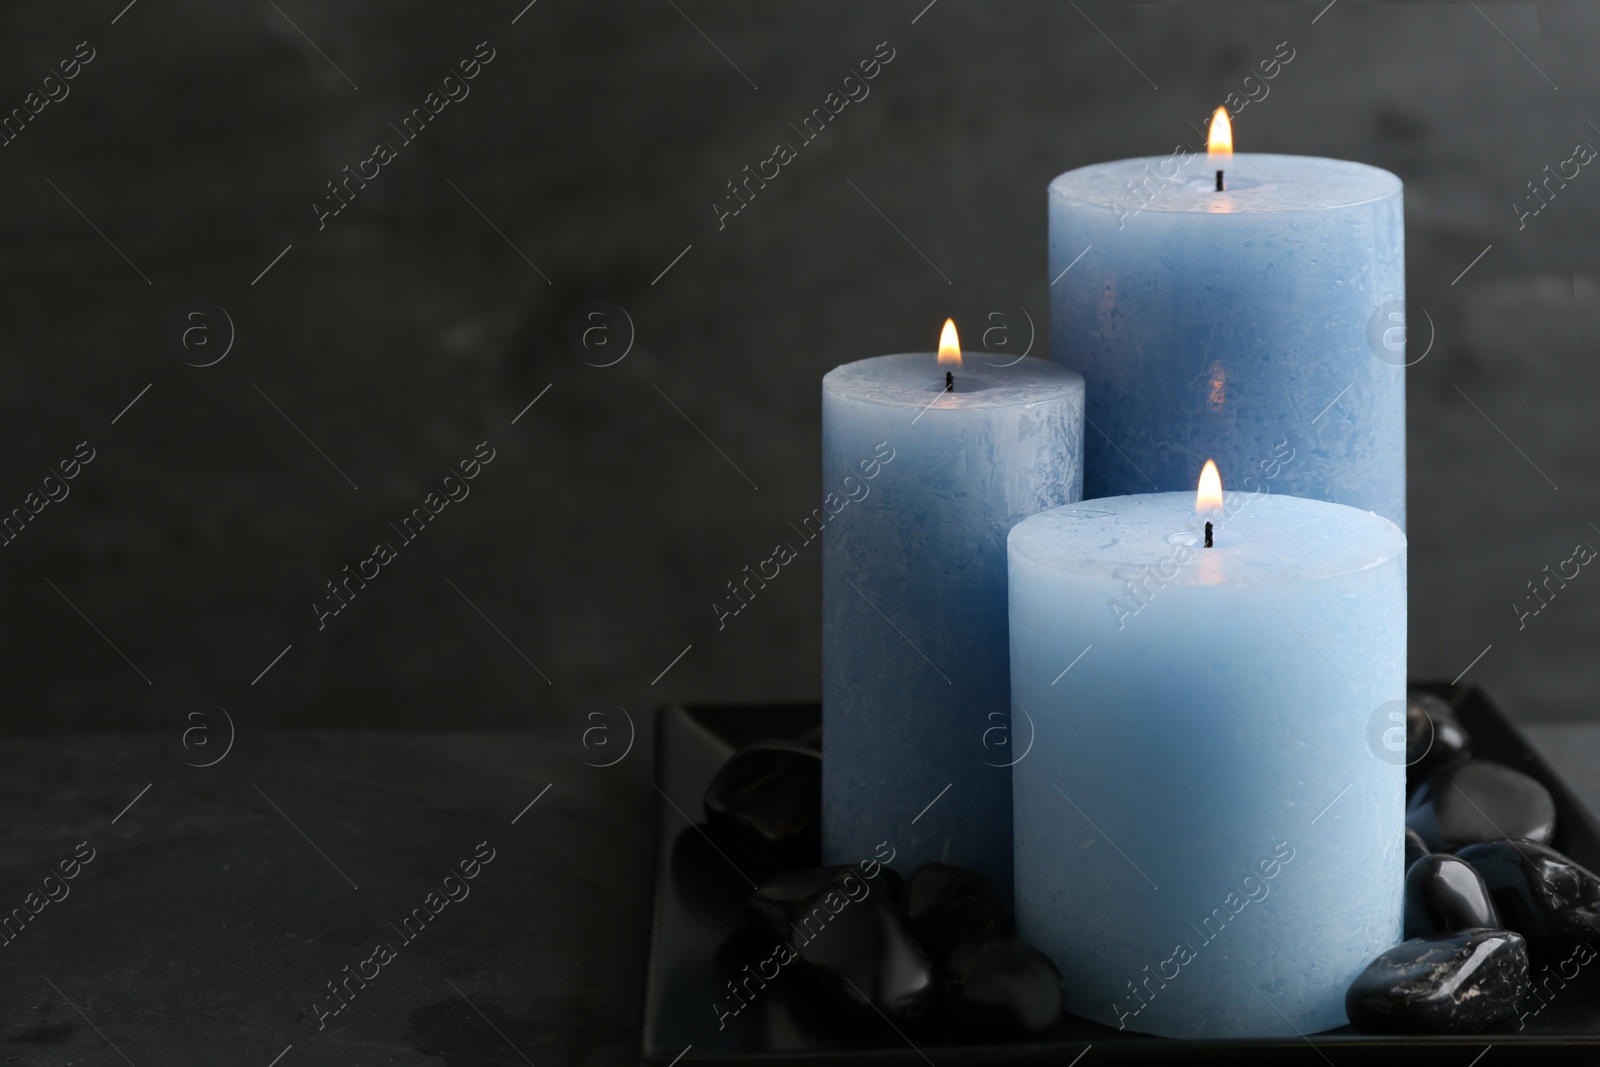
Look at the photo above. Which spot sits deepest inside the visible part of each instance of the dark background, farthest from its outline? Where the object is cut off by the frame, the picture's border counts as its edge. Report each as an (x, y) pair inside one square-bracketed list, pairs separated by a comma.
[(425, 318), (590, 551)]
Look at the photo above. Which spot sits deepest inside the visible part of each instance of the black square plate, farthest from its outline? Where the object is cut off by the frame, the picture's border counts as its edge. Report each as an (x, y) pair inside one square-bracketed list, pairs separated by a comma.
[(699, 910)]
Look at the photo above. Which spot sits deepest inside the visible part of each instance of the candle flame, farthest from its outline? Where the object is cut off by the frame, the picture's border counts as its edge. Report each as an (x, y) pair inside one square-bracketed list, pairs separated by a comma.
[(1220, 143), (949, 345), (1209, 496)]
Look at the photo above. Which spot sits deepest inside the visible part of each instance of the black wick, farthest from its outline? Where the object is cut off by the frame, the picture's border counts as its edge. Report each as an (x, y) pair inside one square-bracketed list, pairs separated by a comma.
[(1221, 187), (1208, 525), (949, 382)]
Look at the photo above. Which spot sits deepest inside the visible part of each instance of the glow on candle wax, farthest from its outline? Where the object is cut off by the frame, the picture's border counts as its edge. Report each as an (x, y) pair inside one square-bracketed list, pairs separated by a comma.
[(949, 345)]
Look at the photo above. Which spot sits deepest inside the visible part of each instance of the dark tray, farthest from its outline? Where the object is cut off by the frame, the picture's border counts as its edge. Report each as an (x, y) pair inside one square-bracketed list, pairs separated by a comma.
[(695, 947)]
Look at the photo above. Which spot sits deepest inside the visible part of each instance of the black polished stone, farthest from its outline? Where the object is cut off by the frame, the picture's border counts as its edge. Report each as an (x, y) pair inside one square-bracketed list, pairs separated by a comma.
[(766, 802), (1416, 847), (1444, 894), (788, 1025), (1002, 989), (1432, 743), (1434, 706), (947, 905), (1476, 801), (853, 940), (1452, 984), (772, 906), (1540, 893)]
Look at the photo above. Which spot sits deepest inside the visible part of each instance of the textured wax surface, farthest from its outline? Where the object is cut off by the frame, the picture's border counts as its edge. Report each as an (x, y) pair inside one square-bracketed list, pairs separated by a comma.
[(1257, 184), (1218, 325), (914, 649), (1219, 719), (1261, 536)]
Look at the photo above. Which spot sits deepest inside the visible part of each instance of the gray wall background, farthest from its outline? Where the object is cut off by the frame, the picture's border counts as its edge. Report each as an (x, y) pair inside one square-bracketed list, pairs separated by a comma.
[(427, 314)]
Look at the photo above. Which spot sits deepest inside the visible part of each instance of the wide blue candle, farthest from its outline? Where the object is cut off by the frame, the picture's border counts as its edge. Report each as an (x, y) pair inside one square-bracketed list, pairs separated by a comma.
[(1208, 842), (1219, 324), (922, 486)]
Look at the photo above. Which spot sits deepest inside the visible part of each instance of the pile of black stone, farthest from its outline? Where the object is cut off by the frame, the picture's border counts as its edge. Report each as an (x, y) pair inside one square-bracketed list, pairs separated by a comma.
[(1485, 897), (1485, 894), (934, 952)]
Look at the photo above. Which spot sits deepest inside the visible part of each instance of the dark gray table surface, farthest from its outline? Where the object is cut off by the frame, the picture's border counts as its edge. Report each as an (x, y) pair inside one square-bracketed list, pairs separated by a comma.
[(218, 907)]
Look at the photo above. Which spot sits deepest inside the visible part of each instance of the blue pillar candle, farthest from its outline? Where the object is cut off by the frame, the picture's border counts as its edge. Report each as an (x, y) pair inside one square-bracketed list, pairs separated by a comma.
[(922, 486), (1213, 324), (1209, 839)]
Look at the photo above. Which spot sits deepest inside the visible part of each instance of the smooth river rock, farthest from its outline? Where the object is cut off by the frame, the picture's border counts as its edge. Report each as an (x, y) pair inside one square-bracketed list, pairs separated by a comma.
[(1452, 984), (1445, 894), (1540, 893), (772, 906), (1002, 989), (947, 905), (1477, 801), (854, 941), (766, 801), (1431, 743)]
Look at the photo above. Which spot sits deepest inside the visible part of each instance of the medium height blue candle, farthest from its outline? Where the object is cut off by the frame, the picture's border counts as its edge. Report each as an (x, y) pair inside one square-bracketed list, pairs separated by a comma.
[(916, 679), (1219, 324)]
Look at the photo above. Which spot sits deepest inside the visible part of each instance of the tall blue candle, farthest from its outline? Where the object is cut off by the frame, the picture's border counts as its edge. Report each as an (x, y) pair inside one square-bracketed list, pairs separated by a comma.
[(1209, 838), (1218, 324), (925, 484)]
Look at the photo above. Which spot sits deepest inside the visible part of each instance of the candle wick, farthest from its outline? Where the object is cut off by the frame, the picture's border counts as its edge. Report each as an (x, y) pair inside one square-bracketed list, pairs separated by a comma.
[(1208, 525), (949, 382), (1221, 186)]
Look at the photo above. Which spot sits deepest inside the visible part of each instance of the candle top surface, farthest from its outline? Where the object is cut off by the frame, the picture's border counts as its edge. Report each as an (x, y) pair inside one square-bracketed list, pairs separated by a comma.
[(984, 379), (1257, 183), (1260, 536)]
